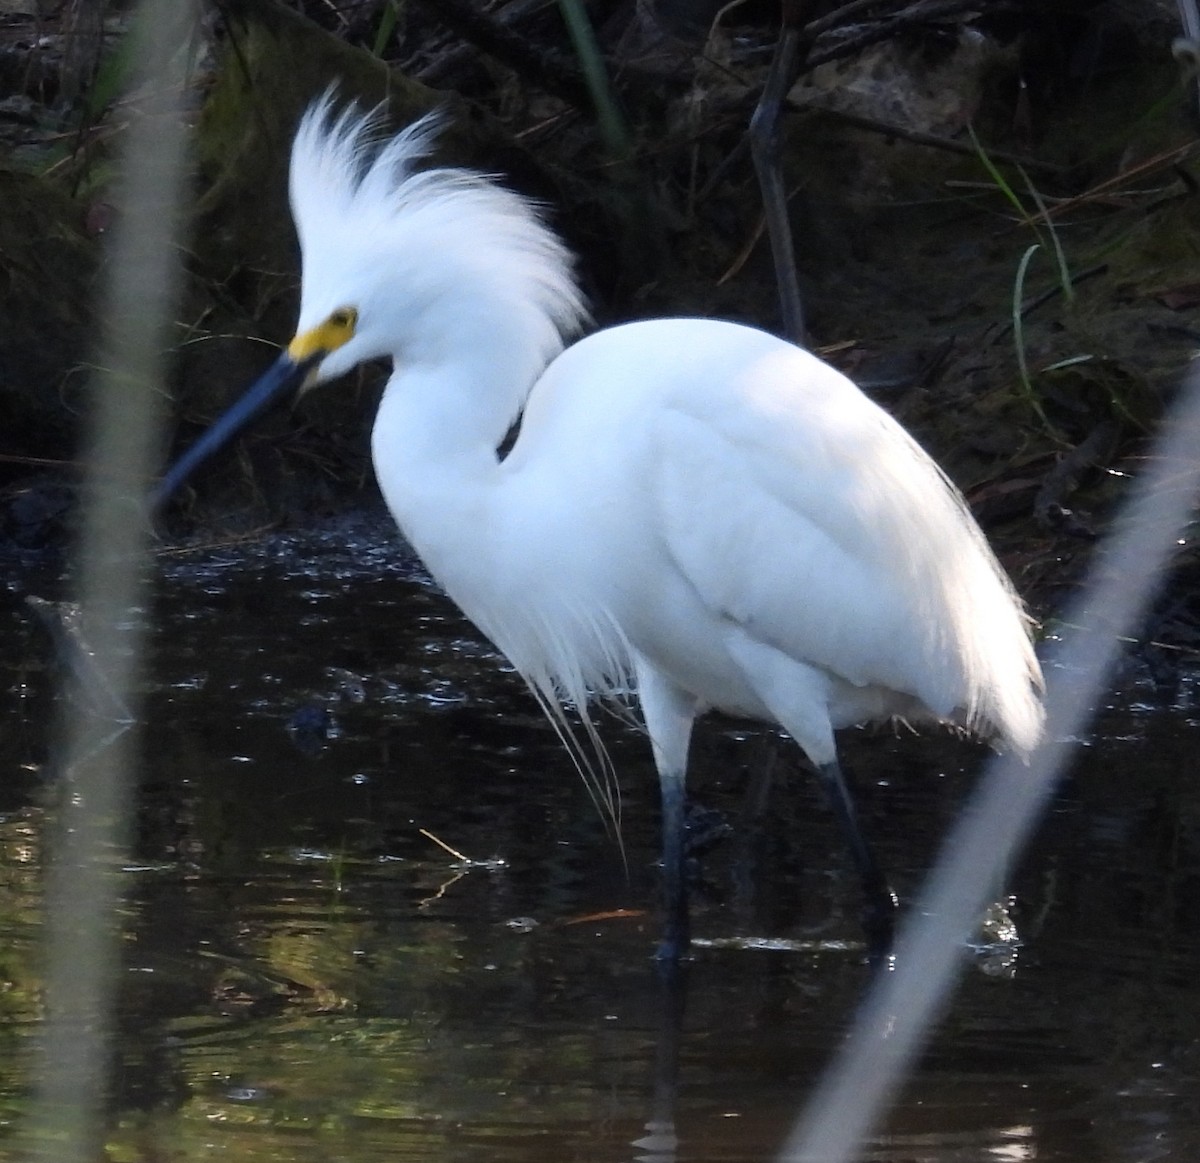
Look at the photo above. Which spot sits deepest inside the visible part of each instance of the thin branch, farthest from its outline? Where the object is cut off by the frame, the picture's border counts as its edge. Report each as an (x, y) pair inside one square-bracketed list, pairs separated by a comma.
[(933, 140), (549, 70), (912, 17)]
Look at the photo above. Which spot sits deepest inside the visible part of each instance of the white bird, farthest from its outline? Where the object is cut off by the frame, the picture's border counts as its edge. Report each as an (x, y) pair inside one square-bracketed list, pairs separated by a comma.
[(692, 507)]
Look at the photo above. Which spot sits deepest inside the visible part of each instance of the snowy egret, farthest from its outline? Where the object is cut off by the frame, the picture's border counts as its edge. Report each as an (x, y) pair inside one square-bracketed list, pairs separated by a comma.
[(693, 509)]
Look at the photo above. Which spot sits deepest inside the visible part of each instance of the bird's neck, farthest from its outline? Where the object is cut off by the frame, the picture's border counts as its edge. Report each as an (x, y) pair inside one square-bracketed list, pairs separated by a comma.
[(489, 533), (434, 448)]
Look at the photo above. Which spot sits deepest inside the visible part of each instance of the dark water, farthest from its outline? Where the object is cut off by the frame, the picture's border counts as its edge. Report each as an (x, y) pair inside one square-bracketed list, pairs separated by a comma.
[(309, 977)]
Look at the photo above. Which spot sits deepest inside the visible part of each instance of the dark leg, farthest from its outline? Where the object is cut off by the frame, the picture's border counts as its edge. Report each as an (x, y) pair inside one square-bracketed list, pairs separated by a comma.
[(669, 711), (880, 913), (677, 931), (660, 1144)]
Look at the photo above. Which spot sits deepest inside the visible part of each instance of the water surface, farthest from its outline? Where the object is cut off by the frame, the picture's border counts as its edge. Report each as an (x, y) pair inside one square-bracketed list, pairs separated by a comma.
[(309, 976)]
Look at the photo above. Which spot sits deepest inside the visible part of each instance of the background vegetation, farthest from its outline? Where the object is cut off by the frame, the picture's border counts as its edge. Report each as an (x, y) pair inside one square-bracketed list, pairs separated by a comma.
[(994, 210)]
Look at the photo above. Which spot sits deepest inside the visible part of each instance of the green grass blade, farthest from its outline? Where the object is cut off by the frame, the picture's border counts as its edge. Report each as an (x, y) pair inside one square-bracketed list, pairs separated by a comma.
[(1064, 272), (387, 25), (1000, 181), (1018, 319), (612, 125)]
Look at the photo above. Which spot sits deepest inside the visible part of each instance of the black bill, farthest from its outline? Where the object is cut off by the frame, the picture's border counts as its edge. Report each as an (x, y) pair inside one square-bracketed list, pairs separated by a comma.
[(284, 376)]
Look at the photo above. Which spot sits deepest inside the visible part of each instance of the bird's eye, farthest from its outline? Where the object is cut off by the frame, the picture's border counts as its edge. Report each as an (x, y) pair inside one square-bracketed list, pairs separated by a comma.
[(344, 318)]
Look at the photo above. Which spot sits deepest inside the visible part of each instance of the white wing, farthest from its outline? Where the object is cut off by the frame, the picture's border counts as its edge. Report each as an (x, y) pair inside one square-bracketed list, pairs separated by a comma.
[(804, 513), (727, 472)]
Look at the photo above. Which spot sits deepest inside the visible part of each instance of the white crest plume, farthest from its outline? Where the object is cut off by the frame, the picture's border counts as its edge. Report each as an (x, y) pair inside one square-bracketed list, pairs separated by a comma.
[(362, 206)]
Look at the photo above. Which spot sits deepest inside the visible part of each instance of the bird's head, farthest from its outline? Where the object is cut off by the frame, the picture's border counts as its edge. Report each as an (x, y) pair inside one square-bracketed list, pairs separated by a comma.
[(327, 349), (400, 262)]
